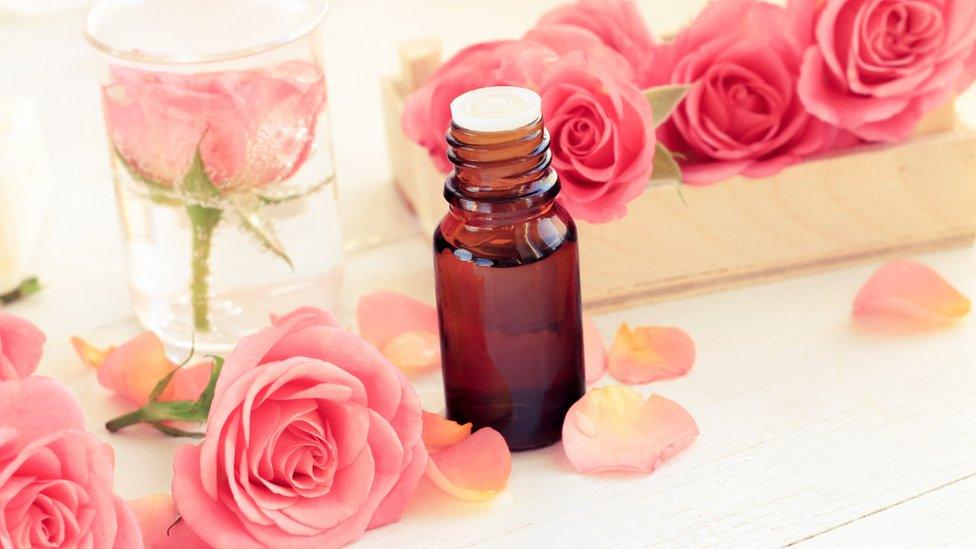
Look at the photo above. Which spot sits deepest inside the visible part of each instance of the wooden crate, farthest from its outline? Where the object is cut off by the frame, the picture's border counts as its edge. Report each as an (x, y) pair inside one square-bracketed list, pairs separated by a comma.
[(863, 205)]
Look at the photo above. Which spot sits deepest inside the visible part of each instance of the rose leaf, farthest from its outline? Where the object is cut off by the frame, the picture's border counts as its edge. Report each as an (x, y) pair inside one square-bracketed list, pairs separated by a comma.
[(664, 99)]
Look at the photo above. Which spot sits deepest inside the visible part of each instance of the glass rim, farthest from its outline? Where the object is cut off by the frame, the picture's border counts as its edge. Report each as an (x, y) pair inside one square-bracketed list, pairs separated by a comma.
[(127, 54)]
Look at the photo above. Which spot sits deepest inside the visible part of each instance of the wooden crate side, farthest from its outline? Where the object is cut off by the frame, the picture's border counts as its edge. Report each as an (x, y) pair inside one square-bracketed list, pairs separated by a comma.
[(882, 201)]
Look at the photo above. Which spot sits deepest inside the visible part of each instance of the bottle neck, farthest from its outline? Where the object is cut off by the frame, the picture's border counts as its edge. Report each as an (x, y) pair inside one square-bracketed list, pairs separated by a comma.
[(500, 176)]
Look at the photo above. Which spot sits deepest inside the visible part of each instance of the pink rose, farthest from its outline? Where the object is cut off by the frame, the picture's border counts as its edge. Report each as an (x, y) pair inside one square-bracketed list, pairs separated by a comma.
[(56, 479), (253, 128), (427, 112), (618, 24), (602, 138), (600, 123), (877, 66), (313, 438), (21, 344), (742, 114), (563, 39)]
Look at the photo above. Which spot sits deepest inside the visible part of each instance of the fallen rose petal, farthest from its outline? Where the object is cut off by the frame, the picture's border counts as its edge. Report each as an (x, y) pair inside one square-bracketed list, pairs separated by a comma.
[(91, 356), (475, 469), (440, 432), (404, 329), (188, 382), (594, 351), (414, 352), (161, 525), (650, 353), (614, 429), (905, 293), (134, 369)]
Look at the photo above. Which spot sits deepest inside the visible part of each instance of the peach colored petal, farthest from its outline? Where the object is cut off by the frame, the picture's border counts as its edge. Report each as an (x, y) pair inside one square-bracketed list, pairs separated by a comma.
[(614, 429), (160, 524), (475, 469), (91, 356), (135, 367), (440, 432), (404, 329), (649, 353), (909, 294), (414, 352), (594, 351), (188, 382)]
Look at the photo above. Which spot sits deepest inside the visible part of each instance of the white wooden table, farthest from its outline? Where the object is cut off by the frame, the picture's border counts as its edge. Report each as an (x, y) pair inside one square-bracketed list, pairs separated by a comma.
[(811, 433)]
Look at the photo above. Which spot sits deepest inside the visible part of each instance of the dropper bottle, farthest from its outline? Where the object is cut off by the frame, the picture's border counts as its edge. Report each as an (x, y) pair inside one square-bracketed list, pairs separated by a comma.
[(507, 273)]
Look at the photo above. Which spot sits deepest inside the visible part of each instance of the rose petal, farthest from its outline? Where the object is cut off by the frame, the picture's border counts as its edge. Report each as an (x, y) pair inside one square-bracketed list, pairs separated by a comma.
[(21, 346), (161, 525), (908, 294), (650, 353), (187, 383), (91, 356), (414, 352), (127, 533), (383, 315), (594, 351), (475, 469), (404, 329), (613, 429), (400, 496), (19, 407), (135, 368), (440, 432)]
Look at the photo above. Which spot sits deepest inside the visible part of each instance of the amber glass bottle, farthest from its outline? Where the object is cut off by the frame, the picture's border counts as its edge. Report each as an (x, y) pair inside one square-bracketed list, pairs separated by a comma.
[(507, 272)]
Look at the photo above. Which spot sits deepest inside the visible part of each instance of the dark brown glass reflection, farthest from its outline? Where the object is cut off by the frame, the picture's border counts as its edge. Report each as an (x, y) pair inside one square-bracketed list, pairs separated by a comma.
[(508, 295)]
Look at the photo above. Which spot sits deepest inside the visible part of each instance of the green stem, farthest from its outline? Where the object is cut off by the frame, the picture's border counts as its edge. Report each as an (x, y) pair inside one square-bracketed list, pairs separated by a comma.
[(155, 413), (127, 420), (203, 221), (26, 288)]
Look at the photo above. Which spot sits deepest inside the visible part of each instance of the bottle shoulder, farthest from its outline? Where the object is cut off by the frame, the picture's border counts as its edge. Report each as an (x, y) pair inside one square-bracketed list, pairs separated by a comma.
[(516, 243)]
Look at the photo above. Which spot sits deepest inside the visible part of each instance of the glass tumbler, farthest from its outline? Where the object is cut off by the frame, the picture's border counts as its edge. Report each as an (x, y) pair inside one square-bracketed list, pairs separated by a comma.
[(217, 122)]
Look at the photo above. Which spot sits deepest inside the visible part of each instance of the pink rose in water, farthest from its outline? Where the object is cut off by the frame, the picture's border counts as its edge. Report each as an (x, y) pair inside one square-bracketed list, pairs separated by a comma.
[(877, 66), (253, 128), (618, 24), (742, 114), (21, 345), (313, 438), (56, 479)]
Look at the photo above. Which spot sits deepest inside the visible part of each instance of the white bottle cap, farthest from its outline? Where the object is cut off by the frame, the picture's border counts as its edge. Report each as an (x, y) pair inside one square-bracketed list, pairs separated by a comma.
[(496, 109)]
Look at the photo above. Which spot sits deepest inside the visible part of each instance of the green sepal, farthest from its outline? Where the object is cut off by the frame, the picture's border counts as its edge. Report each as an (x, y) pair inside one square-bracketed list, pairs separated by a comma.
[(250, 210), (157, 192), (664, 99), (196, 183), (666, 168), (155, 413)]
